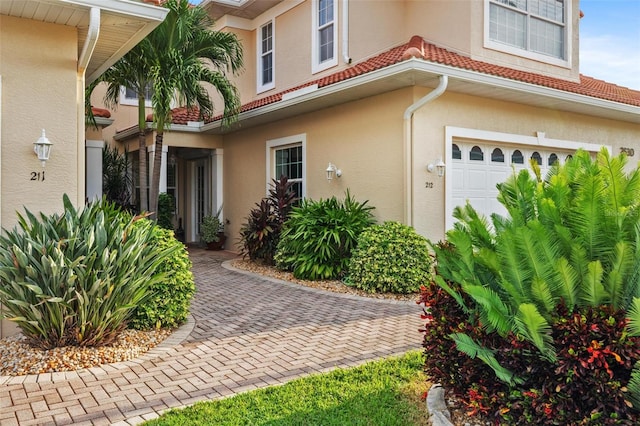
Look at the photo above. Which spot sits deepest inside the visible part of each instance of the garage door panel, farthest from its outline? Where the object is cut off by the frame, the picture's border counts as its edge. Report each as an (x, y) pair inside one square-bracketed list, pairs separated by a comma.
[(476, 180)]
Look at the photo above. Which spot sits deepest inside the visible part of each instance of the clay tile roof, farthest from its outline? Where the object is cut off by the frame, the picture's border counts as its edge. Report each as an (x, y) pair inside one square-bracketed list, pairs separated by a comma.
[(100, 112), (417, 47)]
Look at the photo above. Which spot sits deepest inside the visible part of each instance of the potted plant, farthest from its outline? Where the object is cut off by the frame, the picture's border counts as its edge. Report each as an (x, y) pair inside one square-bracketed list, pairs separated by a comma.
[(212, 231)]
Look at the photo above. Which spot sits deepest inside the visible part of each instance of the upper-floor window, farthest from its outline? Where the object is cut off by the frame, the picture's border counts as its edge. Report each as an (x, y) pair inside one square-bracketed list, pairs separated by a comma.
[(535, 28), (129, 96), (325, 47), (266, 77)]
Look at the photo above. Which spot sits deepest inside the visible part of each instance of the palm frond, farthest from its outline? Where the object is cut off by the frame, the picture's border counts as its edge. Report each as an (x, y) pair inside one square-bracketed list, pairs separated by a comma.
[(467, 345), (593, 292), (621, 264), (566, 279), (633, 316), (495, 314), (634, 386), (535, 328)]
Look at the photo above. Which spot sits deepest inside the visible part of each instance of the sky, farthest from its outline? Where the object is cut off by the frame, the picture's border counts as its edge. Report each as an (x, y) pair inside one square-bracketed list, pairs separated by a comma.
[(609, 41)]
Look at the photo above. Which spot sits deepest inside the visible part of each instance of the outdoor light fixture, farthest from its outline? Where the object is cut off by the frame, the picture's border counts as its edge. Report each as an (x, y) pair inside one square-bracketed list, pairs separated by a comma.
[(331, 169), (439, 167), (42, 148)]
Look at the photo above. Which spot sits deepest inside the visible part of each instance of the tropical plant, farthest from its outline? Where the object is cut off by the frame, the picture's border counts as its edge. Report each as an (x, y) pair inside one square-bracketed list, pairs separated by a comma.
[(319, 236), (390, 257), (116, 177), (175, 60), (169, 298), (132, 71), (569, 244), (75, 278), (210, 227), (260, 234), (166, 209), (186, 54)]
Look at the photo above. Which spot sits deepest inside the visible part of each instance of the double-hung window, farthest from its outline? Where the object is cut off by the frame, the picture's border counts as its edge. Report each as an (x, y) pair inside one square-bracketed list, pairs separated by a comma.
[(286, 157), (265, 72), (530, 28), (325, 47), (129, 96)]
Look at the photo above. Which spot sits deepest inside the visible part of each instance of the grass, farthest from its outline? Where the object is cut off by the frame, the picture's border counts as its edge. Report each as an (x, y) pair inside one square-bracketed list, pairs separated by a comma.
[(387, 392)]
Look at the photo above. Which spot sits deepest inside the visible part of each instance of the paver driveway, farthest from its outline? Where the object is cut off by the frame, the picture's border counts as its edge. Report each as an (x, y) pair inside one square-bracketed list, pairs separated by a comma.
[(246, 332)]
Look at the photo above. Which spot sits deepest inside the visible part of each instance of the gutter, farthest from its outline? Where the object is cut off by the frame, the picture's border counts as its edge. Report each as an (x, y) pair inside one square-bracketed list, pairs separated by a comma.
[(408, 144), (345, 32), (85, 56), (91, 41)]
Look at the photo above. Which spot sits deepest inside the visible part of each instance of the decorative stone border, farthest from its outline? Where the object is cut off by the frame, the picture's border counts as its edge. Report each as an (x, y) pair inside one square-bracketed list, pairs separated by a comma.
[(168, 344), (440, 415)]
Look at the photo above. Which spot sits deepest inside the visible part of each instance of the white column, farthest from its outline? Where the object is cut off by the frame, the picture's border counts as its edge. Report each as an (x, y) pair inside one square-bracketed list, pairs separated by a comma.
[(163, 166), (217, 184), (93, 152)]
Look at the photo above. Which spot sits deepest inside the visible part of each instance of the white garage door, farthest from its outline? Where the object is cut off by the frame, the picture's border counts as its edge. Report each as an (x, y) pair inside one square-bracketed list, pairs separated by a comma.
[(477, 168)]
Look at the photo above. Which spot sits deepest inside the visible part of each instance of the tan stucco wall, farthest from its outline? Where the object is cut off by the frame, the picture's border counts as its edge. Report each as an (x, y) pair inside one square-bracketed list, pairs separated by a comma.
[(363, 138), (38, 68), (376, 26), (39, 86), (465, 111)]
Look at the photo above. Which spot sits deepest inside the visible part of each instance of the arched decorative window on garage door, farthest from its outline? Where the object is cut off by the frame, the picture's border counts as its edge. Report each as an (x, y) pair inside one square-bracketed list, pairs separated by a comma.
[(517, 157), (497, 156), (476, 154), (537, 158), (456, 154), (553, 159)]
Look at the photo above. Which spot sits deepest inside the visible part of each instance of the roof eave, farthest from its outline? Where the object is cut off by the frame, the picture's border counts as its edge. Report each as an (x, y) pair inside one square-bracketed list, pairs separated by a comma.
[(420, 72)]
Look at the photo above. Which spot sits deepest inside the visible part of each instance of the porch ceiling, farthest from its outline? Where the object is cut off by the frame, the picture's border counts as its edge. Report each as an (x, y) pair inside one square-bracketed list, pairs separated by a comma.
[(123, 24), (247, 9)]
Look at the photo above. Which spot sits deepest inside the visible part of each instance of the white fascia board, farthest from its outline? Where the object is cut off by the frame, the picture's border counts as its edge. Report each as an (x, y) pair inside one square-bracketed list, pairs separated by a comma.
[(122, 135), (436, 69), (125, 7)]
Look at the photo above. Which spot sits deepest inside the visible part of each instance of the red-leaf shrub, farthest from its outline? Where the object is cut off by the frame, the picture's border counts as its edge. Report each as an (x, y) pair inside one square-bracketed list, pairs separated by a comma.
[(586, 386)]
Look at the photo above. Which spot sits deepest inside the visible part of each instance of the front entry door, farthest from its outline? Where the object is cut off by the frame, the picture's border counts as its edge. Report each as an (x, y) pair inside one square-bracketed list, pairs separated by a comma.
[(201, 191)]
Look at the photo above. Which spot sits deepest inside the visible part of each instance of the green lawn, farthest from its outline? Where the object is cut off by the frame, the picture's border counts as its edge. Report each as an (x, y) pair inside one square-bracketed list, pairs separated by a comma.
[(386, 392)]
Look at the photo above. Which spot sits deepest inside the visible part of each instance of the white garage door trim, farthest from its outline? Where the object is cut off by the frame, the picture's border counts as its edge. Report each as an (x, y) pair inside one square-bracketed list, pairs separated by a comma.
[(483, 137)]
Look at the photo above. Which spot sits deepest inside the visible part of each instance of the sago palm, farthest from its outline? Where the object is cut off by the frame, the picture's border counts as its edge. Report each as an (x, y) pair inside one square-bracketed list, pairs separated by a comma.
[(573, 238)]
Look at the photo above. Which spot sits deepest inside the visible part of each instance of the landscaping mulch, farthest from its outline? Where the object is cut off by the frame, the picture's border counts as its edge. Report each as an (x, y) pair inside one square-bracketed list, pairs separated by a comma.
[(335, 286)]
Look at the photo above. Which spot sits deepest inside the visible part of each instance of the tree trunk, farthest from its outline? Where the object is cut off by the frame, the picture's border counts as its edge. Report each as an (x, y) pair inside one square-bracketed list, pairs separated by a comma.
[(142, 170), (154, 191)]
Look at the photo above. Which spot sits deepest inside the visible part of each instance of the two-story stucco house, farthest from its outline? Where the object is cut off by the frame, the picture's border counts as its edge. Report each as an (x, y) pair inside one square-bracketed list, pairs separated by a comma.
[(49, 51), (421, 105)]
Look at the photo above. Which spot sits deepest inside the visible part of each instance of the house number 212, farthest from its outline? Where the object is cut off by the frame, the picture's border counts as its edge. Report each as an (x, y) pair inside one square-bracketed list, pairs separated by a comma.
[(38, 176)]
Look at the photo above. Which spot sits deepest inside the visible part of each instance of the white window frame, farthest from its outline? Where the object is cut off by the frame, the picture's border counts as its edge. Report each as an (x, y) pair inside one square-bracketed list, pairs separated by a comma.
[(125, 100), (263, 87), (514, 50), (290, 141), (316, 65), (485, 137)]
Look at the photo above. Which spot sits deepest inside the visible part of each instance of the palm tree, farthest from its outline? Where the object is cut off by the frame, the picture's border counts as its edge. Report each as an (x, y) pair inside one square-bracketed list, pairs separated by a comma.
[(179, 56), (185, 54), (131, 71)]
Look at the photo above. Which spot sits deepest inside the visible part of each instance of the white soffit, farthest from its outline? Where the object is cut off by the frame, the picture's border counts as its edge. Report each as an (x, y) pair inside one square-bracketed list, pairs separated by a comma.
[(123, 24)]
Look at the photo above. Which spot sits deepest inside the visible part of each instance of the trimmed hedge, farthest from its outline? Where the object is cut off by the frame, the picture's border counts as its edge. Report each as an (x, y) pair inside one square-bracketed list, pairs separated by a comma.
[(390, 257)]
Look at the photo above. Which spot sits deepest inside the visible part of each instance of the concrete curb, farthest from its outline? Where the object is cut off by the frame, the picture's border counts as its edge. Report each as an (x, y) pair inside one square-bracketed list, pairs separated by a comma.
[(437, 407)]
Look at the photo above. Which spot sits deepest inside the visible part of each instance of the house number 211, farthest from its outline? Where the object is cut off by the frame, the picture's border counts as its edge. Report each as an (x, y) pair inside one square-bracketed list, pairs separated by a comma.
[(38, 176)]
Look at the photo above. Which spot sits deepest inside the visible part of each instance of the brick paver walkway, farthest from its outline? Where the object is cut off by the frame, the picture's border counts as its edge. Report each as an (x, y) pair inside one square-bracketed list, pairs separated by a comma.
[(246, 332)]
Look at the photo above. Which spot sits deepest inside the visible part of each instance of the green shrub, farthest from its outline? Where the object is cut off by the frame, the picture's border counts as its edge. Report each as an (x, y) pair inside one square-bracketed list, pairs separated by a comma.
[(166, 209), (391, 257), (319, 236), (551, 296), (75, 278), (260, 234), (169, 299)]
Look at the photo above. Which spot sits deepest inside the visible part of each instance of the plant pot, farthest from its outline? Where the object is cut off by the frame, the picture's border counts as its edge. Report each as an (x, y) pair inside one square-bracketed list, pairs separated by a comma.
[(217, 245)]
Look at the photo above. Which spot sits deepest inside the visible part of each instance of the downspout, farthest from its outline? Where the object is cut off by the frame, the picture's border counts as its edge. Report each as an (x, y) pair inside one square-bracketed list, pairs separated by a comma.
[(408, 144), (83, 60), (345, 32)]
